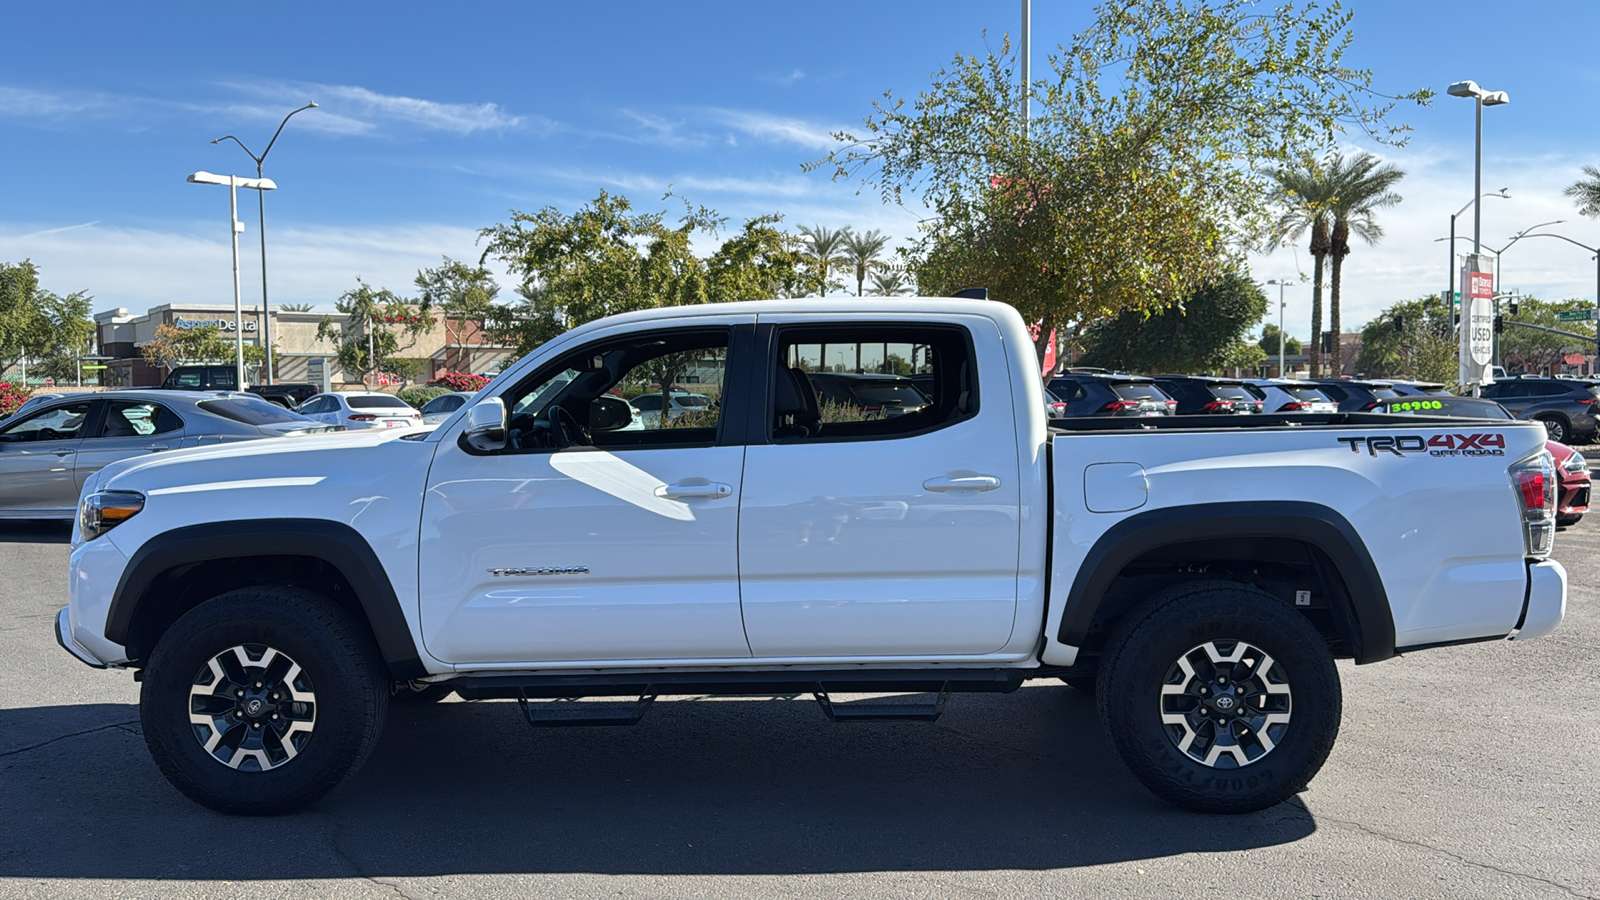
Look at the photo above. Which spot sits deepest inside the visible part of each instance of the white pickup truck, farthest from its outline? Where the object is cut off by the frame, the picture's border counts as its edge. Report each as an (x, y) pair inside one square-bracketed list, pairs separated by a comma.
[(937, 535)]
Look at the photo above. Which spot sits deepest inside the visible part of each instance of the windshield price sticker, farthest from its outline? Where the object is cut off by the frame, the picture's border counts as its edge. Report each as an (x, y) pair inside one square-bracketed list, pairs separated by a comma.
[(1479, 444), (1415, 406)]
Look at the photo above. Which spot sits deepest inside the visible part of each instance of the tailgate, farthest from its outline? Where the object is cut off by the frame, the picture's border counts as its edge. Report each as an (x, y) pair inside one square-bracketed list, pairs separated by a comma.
[(1433, 505)]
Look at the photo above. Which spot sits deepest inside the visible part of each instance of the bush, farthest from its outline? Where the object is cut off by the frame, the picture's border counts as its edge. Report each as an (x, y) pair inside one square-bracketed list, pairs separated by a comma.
[(418, 395), (455, 381), (12, 396)]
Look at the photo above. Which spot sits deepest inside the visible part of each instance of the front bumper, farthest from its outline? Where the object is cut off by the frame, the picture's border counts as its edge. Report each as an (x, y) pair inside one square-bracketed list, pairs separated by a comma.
[(64, 638), (1546, 605)]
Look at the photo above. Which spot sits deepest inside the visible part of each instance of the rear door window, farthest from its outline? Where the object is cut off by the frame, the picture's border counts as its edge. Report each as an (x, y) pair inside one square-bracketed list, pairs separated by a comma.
[(136, 419), (1309, 395)]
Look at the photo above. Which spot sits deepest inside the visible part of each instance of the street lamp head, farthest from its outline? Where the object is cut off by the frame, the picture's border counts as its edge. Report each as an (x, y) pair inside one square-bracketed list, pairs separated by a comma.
[(207, 178), (1465, 89), (1497, 98), (311, 105)]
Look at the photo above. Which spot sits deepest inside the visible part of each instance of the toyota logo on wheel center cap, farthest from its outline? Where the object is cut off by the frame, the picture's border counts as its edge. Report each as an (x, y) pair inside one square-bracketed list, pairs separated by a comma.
[(1224, 703), (253, 707)]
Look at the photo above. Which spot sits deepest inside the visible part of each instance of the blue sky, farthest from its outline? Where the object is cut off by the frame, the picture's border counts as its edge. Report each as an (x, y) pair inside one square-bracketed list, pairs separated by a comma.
[(436, 119)]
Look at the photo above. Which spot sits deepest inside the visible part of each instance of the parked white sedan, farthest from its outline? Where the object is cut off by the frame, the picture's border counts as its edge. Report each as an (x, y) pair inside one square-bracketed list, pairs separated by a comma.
[(682, 402), (443, 406), (361, 409)]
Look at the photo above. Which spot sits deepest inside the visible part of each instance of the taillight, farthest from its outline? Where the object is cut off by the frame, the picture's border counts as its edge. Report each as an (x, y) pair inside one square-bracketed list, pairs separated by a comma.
[(1534, 480), (1372, 405), (1217, 406), (1296, 406), (362, 417), (1172, 403), (1588, 400), (1120, 405)]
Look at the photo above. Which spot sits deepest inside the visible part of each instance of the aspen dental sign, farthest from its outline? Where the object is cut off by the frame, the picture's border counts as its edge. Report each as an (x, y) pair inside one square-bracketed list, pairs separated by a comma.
[(219, 324)]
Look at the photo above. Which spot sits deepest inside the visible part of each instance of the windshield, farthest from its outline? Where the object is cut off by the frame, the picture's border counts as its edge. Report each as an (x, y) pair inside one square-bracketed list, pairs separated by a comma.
[(1464, 407), (252, 411), (1137, 391), (692, 401), (377, 401)]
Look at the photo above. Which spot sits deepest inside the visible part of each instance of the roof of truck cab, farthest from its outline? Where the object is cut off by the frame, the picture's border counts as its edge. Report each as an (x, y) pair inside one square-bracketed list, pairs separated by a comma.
[(989, 309)]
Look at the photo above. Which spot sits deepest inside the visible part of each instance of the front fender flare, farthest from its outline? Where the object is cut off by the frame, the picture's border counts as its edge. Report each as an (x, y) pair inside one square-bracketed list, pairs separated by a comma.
[(334, 543)]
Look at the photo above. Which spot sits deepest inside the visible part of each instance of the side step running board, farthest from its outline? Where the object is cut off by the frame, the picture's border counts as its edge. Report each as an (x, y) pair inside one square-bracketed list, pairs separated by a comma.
[(874, 711), (569, 711)]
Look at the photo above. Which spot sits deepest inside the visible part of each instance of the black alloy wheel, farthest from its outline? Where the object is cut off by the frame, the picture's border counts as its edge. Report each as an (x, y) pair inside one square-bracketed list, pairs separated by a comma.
[(1220, 697), (261, 700)]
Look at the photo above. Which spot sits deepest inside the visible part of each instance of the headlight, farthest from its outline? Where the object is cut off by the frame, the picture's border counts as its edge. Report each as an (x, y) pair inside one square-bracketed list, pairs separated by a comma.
[(104, 510), (1576, 463)]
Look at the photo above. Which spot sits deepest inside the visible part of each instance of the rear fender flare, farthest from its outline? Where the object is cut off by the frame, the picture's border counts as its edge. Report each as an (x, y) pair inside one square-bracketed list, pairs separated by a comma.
[(1372, 634)]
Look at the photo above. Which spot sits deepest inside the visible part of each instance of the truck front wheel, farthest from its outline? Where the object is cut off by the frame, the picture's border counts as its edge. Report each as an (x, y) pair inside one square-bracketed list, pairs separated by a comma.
[(261, 700), (1219, 697)]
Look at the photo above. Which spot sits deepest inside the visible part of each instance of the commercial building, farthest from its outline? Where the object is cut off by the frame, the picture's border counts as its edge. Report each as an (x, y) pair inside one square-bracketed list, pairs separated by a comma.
[(448, 345)]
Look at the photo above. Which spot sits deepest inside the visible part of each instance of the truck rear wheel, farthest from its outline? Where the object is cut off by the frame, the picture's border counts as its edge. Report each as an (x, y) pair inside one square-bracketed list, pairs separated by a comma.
[(1219, 697), (261, 700)]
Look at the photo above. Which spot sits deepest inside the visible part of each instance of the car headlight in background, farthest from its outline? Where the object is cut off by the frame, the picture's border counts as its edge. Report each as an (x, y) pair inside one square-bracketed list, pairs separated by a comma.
[(1576, 463), (104, 510)]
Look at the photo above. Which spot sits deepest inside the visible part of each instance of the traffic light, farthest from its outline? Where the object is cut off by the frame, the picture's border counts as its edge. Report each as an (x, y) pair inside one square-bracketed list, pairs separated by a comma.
[(1499, 324), (1512, 305), (1399, 324), (1327, 342)]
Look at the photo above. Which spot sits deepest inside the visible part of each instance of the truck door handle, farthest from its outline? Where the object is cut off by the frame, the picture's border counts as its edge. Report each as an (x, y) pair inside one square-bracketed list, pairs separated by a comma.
[(710, 491), (158, 447), (947, 483), (63, 451)]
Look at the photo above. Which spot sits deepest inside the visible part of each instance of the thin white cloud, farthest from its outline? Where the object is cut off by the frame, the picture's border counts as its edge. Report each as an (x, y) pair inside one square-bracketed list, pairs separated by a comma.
[(660, 131), (782, 186), (785, 80), (344, 109), (190, 263), (775, 128)]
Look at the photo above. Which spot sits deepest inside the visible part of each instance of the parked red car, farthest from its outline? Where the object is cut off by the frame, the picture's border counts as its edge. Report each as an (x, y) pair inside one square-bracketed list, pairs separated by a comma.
[(1573, 471)]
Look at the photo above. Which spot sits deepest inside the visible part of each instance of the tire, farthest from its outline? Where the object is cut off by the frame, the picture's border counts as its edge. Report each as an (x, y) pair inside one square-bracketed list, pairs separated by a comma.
[(1556, 428), (307, 730), (1150, 703)]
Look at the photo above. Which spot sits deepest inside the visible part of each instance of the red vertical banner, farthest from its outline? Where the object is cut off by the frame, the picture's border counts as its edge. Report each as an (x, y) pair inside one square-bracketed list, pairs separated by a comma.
[(1049, 363)]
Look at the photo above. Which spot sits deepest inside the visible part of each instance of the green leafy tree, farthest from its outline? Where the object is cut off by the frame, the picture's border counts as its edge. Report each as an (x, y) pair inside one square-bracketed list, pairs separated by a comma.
[(1529, 350), (1269, 342), (862, 251), (1585, 192), (1410, 339), (826, 251), (606, 259), (1207, 333), (1144, 162), (172, 346), (42, 326), (379, 325)]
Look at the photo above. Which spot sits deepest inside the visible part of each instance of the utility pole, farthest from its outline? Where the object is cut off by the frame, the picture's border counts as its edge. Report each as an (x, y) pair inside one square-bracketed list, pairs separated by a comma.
[(1026, 79)]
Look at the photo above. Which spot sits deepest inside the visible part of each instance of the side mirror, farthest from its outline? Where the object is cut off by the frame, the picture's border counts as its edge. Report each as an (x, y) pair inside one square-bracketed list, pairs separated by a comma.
[(608, 413), (486, 425)]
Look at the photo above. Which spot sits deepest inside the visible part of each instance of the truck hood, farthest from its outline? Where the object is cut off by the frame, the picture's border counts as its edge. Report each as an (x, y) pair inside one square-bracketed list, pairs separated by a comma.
[(299, 455)]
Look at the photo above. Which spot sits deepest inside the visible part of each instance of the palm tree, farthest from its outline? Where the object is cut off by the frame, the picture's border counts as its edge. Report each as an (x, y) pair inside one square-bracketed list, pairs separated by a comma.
[(1586, 191), (826, 250), (295, 307), (1364, 186), (889, 282), (1306, 195), (862, 250)]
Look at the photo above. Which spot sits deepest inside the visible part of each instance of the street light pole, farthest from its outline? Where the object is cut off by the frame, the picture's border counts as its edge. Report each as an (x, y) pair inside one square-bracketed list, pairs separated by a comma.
[(1281, 283), (261, 209), (1596, 252), (235, 226), (1027, 13), (1450, 295)]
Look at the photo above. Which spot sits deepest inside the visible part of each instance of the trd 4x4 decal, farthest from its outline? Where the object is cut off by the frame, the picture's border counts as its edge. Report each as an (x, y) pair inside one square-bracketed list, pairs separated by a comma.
[(1476, 444)]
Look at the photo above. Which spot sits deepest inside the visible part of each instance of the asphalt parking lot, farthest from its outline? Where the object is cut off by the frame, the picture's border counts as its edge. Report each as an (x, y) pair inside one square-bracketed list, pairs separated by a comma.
[(1461, 772)]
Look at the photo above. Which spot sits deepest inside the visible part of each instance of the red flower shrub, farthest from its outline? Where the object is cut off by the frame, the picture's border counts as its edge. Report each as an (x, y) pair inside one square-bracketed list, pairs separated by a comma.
[(12, 396), (457, 381)]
